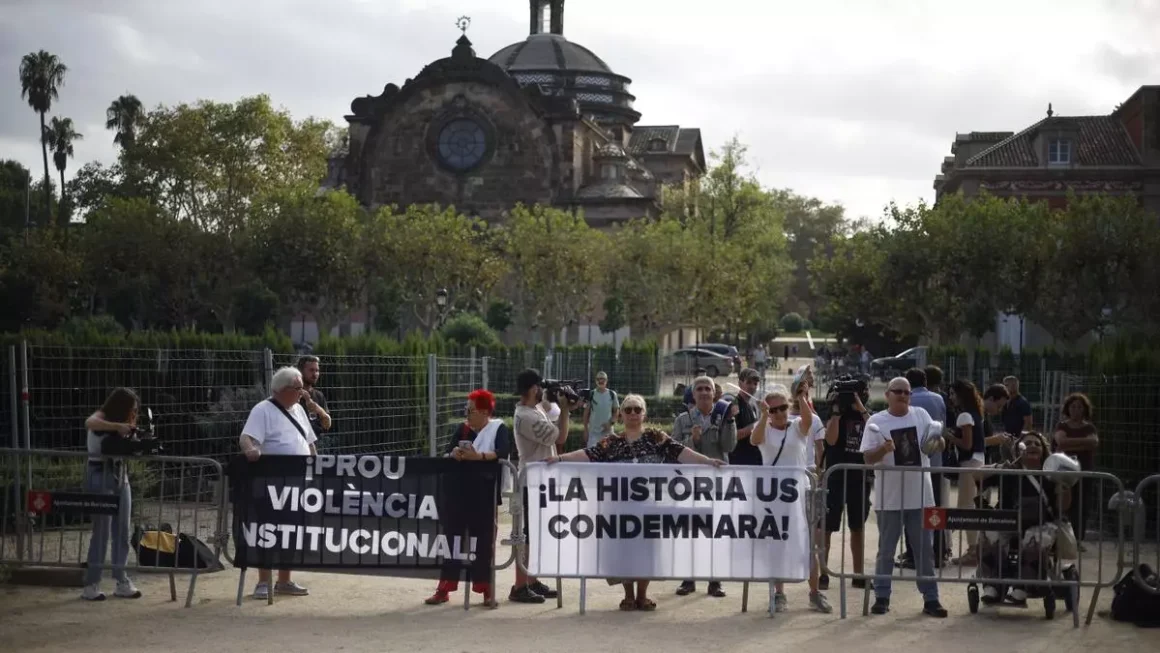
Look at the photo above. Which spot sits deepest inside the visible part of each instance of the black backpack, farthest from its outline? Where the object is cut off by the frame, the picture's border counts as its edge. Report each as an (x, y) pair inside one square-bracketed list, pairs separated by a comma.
[(159, 547), (1133, 603)]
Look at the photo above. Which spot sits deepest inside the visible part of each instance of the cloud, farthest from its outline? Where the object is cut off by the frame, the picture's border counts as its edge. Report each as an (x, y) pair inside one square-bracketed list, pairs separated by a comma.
[(854, 102)]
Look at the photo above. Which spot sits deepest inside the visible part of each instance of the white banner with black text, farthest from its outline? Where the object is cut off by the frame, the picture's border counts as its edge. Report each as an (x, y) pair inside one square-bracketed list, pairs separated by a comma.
[(625, 520)]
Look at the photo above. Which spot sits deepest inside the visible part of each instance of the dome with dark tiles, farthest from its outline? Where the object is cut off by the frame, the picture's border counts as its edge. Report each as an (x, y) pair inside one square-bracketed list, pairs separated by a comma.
[(548, 52), (557, 66)]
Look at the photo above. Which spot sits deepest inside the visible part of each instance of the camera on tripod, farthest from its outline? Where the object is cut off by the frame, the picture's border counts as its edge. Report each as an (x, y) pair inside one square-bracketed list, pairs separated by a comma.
[(848, 386), (553, 388)]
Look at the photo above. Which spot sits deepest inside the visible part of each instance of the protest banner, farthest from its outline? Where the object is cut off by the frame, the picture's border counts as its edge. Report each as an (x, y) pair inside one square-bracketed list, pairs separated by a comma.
[(426, 517), (624, 520)]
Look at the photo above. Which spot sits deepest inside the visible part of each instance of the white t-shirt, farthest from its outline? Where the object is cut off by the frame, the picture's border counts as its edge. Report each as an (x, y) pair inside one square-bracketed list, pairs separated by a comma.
[(275, 435), (965, 419), (798, 450), (898, 490), (552, 411)]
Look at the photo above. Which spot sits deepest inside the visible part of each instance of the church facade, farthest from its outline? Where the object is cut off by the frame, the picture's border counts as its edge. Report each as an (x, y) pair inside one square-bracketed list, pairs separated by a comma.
[(542, 121)]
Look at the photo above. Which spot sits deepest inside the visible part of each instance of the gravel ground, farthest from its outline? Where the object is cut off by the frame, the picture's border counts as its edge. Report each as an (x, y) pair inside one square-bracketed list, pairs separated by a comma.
[(367, 613)]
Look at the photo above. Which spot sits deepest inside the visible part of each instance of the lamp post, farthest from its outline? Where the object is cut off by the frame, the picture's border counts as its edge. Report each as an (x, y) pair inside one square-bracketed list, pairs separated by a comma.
[(440, 308)]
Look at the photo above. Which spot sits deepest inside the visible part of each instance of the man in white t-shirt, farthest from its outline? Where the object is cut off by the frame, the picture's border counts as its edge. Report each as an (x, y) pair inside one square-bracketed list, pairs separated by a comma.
[(892, 438), (279, 426)]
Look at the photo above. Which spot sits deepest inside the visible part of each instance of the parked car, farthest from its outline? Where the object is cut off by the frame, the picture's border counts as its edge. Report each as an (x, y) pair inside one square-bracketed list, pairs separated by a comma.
[(883, 368), (725, 350), (683, 362)]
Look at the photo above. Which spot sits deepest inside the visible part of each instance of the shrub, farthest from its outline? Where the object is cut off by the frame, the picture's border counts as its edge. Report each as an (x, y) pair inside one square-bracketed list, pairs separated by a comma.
[(469, 329), (792, 323)]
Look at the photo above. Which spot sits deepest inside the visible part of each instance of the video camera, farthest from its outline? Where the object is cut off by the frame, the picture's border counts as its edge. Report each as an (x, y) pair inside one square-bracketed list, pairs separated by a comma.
[(844, 388), (553, 388), (141, 441)]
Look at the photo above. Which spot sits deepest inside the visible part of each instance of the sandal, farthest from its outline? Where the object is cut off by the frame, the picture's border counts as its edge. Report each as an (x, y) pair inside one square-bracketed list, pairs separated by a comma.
[(628, 605), (646, 605)]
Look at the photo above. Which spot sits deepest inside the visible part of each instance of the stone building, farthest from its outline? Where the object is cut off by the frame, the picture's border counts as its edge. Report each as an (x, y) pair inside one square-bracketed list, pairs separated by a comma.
[(542, 121), (1116, 153)]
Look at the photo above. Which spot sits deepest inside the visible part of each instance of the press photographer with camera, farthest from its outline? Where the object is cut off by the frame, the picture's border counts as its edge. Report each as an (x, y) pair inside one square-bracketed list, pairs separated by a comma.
[(112, 430), (847, 491), (536, 439)]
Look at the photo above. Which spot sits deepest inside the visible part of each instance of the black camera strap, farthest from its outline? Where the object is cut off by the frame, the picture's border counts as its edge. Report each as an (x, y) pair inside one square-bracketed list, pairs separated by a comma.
[(290, 417)]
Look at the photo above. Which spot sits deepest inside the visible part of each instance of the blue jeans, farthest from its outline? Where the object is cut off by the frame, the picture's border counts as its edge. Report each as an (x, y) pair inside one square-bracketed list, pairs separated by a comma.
[(103, 478), (890, 525)]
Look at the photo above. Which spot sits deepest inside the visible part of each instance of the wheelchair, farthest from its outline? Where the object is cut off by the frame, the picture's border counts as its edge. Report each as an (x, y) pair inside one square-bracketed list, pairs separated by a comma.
[(1052, 570)]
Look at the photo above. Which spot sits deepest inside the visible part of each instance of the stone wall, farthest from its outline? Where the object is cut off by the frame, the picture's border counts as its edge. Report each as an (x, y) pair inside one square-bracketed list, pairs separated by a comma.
[(398, 164)]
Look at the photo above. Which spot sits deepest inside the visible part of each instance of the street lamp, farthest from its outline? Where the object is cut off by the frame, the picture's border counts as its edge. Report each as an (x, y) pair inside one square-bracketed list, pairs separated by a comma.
[(441, 298)]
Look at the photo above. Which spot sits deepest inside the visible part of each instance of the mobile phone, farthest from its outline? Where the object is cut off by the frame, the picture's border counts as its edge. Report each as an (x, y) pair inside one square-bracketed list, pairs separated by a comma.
[(465, 444)]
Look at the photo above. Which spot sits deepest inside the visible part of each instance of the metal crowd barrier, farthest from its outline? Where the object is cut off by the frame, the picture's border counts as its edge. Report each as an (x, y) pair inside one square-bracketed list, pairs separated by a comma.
[(520, 540), (1139, 530), (994, 527), (52, 502)]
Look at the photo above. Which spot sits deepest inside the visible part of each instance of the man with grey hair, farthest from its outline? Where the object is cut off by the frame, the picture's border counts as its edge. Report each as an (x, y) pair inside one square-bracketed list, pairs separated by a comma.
[(892, 439), (279, 426), (711, 433)]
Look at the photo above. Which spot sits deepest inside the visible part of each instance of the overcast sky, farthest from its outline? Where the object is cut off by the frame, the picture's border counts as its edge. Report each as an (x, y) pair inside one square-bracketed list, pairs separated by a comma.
[(851, 102)]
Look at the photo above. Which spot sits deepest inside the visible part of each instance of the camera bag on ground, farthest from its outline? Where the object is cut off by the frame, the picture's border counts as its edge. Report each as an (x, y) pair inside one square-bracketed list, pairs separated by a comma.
[(1135, 604), (160, 547)]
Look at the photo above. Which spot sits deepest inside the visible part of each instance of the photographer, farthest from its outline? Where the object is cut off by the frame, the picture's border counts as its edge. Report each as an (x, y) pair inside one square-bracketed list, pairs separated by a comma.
[(313, 400), (536, 439), (711, 433), (114, 423), (847, 490)]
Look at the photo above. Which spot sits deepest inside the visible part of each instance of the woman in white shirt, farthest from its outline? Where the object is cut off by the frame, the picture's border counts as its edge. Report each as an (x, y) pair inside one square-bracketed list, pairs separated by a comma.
[(786, 442)]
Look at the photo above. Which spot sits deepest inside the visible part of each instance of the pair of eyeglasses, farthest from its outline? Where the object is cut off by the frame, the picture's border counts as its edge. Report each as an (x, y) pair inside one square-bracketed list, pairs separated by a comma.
[(779, 409), (632, 410)]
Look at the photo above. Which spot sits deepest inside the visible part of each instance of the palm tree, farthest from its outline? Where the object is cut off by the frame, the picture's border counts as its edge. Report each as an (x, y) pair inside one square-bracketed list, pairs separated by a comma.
[(124, 116), (41, 76), (59, 135)]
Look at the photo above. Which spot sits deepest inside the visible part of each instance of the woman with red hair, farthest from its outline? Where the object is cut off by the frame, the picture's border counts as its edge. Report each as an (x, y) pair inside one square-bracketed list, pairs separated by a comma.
[(479, 437)]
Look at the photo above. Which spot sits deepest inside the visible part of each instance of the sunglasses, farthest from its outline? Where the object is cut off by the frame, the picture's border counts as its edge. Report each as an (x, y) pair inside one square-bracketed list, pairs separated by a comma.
[(632, 410), (779, 409), (901, 393)]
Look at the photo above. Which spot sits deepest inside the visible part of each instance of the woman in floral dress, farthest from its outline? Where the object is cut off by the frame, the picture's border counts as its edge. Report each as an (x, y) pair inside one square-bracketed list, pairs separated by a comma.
[(638, 445)]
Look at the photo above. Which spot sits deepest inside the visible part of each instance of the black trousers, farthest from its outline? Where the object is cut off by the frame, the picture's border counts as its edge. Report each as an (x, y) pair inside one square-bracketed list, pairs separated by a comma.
[(941, 546)]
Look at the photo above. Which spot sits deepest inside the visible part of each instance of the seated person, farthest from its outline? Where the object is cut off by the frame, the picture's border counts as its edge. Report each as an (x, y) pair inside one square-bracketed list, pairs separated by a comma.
[(1041, 503)]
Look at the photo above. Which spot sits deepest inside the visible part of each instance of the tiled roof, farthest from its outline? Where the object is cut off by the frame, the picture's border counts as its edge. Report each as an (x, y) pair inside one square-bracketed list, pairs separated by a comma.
[(607, 190), (676, 140), (1102, 142), (643, 137)]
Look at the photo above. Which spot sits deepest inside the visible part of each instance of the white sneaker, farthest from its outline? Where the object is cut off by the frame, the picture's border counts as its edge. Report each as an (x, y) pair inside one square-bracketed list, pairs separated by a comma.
[(93, 593), (290, 589), (262, 591), (127, 590), (1019, 596), (990, 595)]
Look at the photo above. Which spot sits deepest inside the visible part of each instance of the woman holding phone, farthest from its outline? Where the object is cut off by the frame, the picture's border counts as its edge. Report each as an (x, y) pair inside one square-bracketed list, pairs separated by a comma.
[(479, 437)]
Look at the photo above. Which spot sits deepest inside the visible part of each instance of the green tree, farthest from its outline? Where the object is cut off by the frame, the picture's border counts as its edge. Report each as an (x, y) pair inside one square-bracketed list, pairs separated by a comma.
[(41, 76), (124, 117), (556, 260), (649, 274), (307, 249), (60, 136), (40, 280), (810, 227), (210, 162), (123, 242), (850, 283), (425, 249), (469, 329), (1096, 270), (499, 315)]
